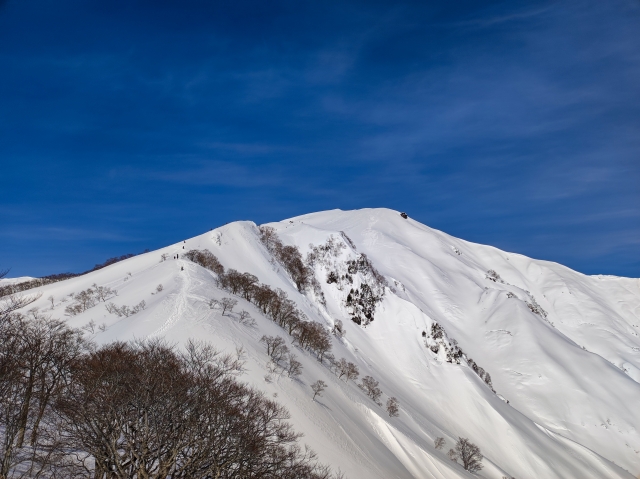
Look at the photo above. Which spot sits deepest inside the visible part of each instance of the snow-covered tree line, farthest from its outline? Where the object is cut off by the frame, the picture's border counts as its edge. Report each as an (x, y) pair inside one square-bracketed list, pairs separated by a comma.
[(275, 305)]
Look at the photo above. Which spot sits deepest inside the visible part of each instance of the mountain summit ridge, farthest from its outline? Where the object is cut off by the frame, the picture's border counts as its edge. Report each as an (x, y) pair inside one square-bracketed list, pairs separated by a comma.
[(537, 364)]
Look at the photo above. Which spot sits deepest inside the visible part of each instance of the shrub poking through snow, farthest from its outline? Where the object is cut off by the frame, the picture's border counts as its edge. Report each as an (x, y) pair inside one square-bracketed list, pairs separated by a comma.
[(88, 298), (493, 276), (482, 374), (438, 340), (439, 443), (535, 308), (371, 389), (125, 310), (393, 407)]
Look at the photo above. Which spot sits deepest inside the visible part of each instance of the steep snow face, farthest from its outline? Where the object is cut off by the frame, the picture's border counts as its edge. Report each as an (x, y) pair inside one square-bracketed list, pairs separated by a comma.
[(441, 323)]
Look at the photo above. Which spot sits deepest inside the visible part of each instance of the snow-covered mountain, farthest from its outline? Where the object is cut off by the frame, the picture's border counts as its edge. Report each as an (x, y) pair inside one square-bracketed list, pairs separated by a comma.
[(561, 348)]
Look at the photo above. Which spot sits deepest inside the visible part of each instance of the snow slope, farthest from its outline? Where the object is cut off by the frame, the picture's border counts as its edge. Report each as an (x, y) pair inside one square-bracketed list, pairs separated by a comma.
[(570, 373), (8, 281)]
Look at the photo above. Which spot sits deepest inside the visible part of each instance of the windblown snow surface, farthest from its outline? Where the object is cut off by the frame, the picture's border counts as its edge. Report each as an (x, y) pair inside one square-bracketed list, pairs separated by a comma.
[(571, 378)]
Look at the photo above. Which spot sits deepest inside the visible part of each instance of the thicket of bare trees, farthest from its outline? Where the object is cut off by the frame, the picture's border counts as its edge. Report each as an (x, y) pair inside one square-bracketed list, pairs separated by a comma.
[(134, 410), (36, 357), (206, 259), (275, 304), (289, 256), (89, 297), (125, 310)]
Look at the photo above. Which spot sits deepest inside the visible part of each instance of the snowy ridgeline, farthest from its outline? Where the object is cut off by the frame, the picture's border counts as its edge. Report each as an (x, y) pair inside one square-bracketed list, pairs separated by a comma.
[(363, 325)]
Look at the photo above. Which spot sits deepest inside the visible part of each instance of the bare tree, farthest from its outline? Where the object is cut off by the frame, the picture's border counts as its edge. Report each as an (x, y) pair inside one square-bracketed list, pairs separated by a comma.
[(393, 408), (245, 318), (439, 442), (347, 369), (318, 387), (51, 299), (370, 387), (90, 327), (228, 304), (312, 335), (294, 367), (86, 299), (469, 454), (35, 357), (276, 347), (11, 303), (103, 293)]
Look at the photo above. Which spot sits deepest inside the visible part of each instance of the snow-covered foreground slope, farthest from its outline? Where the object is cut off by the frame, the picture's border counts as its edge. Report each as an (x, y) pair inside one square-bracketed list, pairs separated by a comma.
[(562, 348)]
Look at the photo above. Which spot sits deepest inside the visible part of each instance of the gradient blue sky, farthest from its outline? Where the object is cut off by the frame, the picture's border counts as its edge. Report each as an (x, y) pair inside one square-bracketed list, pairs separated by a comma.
[(127, 125)]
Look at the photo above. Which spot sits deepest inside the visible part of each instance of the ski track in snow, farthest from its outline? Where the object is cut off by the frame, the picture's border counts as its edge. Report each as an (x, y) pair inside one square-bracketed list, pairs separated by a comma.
[(181, 309)]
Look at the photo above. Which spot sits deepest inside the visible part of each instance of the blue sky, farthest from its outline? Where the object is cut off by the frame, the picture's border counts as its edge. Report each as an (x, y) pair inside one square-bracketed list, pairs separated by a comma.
[(127, 125)]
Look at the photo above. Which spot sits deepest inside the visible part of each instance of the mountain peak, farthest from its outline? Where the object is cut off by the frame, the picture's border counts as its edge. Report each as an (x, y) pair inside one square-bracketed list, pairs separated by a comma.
[(535, 363)]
